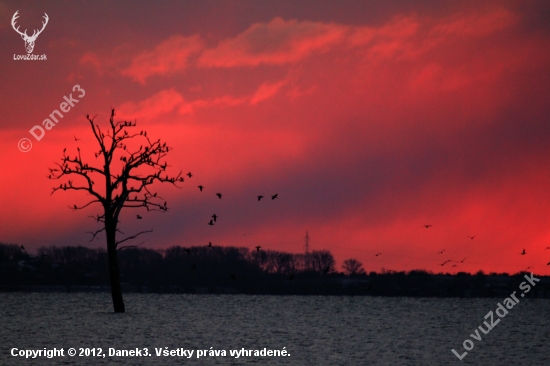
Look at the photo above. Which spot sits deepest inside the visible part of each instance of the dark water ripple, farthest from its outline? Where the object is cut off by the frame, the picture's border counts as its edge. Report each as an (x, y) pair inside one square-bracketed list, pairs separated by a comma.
[(315, 330)]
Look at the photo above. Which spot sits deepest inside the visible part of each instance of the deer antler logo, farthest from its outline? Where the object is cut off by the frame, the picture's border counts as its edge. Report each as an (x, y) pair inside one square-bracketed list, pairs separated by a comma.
[(29, 41)]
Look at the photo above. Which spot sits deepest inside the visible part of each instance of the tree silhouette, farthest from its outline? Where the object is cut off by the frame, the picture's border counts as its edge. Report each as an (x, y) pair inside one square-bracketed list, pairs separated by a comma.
[(124, 181), (352, 267)]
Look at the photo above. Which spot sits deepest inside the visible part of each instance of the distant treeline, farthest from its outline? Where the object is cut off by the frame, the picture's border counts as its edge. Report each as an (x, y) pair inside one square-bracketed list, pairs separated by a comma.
[(233, 270)]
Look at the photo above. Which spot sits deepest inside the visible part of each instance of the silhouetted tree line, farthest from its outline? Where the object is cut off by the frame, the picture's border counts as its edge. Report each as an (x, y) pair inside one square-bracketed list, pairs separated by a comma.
[(235, 270)]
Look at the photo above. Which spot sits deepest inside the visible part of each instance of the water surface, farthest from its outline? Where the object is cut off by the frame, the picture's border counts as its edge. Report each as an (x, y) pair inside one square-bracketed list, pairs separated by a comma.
[(316, 330)]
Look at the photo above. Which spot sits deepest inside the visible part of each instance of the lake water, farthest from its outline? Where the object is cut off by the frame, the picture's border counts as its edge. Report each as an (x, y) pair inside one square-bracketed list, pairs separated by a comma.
[(314, 330)]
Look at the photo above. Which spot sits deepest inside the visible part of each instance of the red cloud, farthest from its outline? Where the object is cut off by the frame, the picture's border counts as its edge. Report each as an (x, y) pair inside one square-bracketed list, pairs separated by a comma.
[(266, 90), (169, 100), (92, 59), (276, 43), (476, 24), (170, 56), (149, 109)]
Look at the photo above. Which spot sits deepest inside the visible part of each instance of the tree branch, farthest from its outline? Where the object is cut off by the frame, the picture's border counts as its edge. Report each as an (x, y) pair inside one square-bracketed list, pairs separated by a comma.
[(133, 237)]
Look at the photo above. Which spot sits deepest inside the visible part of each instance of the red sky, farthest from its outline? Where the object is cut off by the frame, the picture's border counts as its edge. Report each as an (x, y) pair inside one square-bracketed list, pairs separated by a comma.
[(369, 119)]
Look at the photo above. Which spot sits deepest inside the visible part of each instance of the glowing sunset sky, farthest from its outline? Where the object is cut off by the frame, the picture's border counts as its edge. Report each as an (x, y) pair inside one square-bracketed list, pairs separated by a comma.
[(369, 119)]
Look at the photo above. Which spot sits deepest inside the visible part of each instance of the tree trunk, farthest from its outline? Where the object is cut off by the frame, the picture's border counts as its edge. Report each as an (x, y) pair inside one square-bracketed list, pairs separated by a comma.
[(114, 274)]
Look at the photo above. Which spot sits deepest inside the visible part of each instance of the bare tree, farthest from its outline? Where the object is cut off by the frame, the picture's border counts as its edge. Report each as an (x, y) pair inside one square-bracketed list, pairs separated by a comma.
[(320, 261), (124, 180), (352, 267)]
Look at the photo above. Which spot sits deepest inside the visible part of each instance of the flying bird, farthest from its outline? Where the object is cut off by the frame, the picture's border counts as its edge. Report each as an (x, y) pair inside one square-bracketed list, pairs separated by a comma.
[(275, 196), (462, 261), (471, 237), (214, 217), (377, 254), (219, 195), (548, 264), (258, 248), (189, 174), (547, 248), (209, 244), (201, 187), (260, 197), (138, 217), (523, 252), (211, 222), (76, 138), (447, 261), (441, 252), (427, 226), (454, 265)]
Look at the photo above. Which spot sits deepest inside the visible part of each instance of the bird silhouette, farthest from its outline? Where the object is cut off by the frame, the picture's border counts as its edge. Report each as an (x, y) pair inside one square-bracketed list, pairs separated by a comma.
[(219, 195), (138, 217), (209, 244), (548, 264), (454, 265), (189, 174), (22, 247), (201, 187), (462, 261), (214, 217), (211, 222), (441, 252), (76, 138), (275, 196), (377, 254), (427, 226), (523, 252), (258, 248), (547, 248), (447, 261), (260, 197), (234, 277)]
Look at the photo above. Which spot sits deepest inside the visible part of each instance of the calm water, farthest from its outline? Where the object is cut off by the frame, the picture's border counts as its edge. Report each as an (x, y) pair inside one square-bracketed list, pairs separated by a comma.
[(314, 330)]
